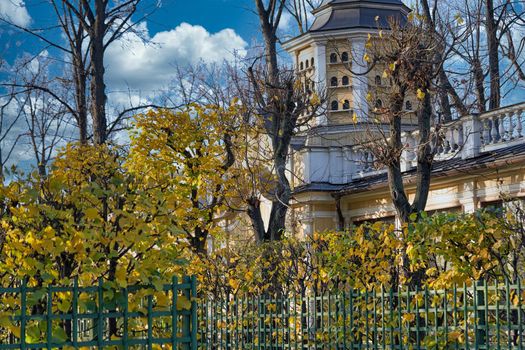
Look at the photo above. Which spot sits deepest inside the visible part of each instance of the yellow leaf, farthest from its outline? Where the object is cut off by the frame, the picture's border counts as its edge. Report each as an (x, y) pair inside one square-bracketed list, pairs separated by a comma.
[(454, 335), (407, 318), (5, 321), (420, 94), (15, 330), (183, 303), (354, 118), (91, 213)]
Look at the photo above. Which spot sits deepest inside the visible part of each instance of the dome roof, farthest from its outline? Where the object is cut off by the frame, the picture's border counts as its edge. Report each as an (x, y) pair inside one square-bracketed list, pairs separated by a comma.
[(348, 14)]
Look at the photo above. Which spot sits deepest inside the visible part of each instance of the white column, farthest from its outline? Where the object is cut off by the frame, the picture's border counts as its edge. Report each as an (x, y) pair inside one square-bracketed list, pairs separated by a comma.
[(336, 165), (348, 164), (359, 81), (468, 197), (472, 129), (408, 154), (307, 220), (319, 164), (320, 75), (306, 164)]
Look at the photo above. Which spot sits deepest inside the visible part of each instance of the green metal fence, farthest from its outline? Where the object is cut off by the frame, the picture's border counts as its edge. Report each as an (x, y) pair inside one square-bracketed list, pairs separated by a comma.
[(160, 316), (479, 316)]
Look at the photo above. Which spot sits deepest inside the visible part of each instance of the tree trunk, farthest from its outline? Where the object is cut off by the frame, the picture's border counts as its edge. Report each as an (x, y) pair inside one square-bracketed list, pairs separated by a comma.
[(492, 42), (424, 156), (80, 99), (480, 86), (98, 87), (395, 177)]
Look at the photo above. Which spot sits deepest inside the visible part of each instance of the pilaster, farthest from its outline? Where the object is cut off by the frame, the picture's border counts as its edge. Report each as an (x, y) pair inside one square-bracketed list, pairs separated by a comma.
[(359, 79)]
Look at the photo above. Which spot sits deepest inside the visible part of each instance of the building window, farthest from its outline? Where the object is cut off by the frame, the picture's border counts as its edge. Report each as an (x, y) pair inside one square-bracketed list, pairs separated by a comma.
[(301, 66), (344, 56), (378, 80), (333, 81), (408, 105), (346, 104), (306, 63), (333, 58), (312, 62), (335, 105), (379, 103), (345, 81)]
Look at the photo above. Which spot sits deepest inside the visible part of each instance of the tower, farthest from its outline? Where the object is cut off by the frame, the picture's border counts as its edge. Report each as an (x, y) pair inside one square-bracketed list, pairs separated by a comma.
[(331, 56)]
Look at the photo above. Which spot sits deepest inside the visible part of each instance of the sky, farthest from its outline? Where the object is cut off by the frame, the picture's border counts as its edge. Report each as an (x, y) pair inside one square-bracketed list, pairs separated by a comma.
[(177, 32)]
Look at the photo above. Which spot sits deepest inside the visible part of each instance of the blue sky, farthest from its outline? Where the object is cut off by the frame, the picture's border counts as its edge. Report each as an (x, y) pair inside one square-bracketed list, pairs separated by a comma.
[(214, 15), (180, 32)]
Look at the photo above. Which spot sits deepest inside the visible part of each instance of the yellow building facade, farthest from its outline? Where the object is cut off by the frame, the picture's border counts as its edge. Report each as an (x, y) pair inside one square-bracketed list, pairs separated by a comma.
[(481, 159)]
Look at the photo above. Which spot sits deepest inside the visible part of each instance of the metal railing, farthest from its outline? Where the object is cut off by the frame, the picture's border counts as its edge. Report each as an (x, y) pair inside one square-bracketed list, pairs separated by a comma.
[(99, 316), (479, 316)]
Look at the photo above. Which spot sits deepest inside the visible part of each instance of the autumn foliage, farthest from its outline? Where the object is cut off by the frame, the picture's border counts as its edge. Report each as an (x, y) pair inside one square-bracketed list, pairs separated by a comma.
[(144, 214)]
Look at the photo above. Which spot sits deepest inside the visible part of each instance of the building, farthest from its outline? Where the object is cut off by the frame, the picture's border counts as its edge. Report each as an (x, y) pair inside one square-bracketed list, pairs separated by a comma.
[(481, 160)]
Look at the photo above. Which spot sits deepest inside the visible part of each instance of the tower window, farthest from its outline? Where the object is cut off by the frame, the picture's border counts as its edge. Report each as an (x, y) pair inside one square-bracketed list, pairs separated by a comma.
[(345, 81), (307, 63), (344, 56), (301, 66), (346, 104), (333, 81), (408, 105), (335, 105), (312, 62), (378, 80), (333, 58)]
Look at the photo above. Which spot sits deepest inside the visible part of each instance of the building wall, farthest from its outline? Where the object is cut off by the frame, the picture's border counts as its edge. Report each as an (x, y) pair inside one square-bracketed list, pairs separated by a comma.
[(453, 193)]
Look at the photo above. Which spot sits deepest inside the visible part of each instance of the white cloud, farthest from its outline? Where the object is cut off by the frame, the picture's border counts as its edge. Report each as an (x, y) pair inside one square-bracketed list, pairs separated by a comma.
[(15, 11), (149, 62)]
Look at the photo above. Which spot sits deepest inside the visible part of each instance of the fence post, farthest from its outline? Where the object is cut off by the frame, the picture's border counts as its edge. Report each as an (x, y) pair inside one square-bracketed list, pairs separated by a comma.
[(174, 316), (23, 302), (481, 336), (100, 315), (194, 320), (186, 319)]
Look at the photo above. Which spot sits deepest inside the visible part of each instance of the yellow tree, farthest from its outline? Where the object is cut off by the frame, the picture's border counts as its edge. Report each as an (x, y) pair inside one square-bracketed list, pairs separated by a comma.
[(90, 220), (187, 160)]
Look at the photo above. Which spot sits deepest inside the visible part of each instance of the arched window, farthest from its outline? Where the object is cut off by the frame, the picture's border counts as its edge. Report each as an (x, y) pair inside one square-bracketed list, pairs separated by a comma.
[(346, 104), (344, 56), (312, 62), (333, 81), (301, 66), (345, 81), (408, 105), (379, 103), (333, 58), (378, 80), (306, 63), (335, 105)]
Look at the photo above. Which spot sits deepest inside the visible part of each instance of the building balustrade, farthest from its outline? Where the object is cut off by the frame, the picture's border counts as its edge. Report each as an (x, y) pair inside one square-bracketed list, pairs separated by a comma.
[(463, 138)]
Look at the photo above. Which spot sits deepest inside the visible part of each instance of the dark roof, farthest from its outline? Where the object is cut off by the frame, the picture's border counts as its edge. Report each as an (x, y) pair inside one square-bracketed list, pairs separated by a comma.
[(347, 14), (497, 158)]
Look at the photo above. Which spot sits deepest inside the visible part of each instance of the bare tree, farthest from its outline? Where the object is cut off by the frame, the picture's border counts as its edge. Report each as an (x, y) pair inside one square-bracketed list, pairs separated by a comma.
[(408, 54), (89, 28), (10, 112), (279, 107)]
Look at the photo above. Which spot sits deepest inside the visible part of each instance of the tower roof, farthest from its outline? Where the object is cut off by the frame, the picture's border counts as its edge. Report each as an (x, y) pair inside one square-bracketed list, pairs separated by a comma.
[(348, 14)]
